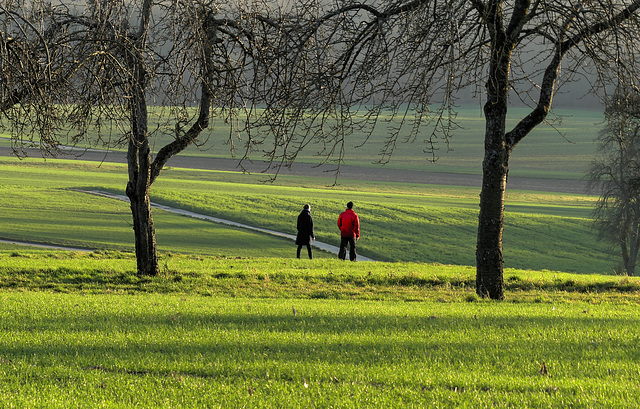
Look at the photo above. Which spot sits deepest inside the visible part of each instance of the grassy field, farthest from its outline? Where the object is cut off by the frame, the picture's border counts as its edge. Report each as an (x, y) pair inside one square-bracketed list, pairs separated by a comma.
[(400, 222), (42, 205), (234, 320), (561, 148), (564, 145), (84, 330)]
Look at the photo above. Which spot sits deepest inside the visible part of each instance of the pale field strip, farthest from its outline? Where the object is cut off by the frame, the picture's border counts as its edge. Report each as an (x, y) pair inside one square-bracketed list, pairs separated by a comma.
[(47, 246)]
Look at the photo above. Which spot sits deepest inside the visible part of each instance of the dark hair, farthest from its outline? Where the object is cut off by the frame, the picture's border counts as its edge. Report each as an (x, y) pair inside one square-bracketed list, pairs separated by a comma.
[(350, 205), (305, 206)]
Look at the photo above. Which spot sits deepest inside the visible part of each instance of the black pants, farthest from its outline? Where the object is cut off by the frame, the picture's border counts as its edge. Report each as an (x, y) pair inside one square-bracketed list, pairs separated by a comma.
[(342, 254), (308, 249)]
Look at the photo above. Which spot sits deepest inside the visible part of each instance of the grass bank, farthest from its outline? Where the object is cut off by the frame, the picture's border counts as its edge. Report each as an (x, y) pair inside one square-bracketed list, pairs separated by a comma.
[(115, 272)]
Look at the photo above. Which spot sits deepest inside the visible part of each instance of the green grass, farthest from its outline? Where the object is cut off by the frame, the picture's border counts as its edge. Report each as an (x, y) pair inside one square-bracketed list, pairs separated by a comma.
[(561, 148), (410, 223), (42, 205), (76, 219), (84, 330), (154, 351), (115, 272), (225, 326), (400, 222)]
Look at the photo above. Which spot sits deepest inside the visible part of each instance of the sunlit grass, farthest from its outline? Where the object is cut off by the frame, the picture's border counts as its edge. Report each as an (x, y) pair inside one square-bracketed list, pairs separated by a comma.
[(254, 327), (154, 350), (438, 226), (400, 222), (269, 277)]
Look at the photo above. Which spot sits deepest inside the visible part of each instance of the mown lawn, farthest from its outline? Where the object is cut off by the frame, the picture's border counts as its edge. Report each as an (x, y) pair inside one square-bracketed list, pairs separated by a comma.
[(83, 330)]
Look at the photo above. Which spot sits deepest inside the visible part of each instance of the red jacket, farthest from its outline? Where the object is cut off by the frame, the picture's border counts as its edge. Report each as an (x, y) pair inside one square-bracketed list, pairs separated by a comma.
[(349, 224)]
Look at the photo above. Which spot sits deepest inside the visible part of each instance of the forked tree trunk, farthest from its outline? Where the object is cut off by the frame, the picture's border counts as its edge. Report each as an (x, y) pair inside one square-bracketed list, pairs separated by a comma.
[(140, 171)]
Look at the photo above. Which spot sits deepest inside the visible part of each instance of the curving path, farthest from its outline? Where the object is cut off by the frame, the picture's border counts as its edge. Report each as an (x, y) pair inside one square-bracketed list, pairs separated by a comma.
[(318, 244), (303, 169)]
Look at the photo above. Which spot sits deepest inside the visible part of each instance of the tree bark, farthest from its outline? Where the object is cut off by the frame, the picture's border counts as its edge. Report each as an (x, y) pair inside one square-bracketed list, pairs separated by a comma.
[(489, 260), (635, 246), (629, 245), (495, 166), (144, 231), (139, 184), (139, 156)]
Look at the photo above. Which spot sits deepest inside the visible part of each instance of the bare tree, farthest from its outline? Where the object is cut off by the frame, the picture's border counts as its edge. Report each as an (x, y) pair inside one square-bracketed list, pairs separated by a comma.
[(402, 63), (615, 176), (32, 72), (314, 72), (182, 60)]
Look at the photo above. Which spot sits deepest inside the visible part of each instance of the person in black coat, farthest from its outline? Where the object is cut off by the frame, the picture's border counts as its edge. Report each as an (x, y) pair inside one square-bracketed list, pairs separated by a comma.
[(305, 230)]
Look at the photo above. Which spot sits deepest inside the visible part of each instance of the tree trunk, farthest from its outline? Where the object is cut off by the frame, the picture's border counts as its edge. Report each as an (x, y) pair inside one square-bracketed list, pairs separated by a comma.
[(140, 170), (138, 187), (631, 259), (144, 231), (489, 260), (495, 166)]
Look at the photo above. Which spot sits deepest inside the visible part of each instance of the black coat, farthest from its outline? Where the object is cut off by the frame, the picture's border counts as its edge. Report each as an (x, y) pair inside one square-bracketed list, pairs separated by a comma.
[(305, 228)]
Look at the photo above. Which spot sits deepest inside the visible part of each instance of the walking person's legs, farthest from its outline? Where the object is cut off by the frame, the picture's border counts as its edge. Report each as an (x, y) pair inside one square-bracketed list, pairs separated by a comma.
[(352, 249), (309, 251), (342, 254)]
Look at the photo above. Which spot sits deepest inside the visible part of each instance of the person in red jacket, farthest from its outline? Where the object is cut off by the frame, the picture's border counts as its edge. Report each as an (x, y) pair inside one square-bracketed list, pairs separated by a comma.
[(349, 224)]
